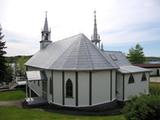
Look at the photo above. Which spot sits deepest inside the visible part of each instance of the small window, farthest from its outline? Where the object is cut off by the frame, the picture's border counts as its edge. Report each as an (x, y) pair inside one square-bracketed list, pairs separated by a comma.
[(157, 72), (144, 78), (69, 89), (131, 79), (113, 57)]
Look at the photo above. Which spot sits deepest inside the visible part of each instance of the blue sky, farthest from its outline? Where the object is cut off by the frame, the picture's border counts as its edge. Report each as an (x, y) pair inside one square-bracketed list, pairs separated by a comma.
[(121, 23), (151, 48)]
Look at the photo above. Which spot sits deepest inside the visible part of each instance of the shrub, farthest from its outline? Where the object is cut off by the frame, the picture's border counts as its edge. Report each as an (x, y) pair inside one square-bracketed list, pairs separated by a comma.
[(143, 108), (154, 89)]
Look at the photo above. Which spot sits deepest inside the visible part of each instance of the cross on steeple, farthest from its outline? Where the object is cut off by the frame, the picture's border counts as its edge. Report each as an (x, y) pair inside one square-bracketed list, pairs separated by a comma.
[(95, 37)]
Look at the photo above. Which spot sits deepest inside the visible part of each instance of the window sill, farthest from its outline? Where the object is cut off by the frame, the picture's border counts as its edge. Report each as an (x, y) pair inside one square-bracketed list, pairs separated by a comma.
[(131, 83)]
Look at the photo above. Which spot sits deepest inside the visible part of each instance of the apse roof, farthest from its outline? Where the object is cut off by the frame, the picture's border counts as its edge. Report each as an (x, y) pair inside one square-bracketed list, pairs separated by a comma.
[(73, 53)]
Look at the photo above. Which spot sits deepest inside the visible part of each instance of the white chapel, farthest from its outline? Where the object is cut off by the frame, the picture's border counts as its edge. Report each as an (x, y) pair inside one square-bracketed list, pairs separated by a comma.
[(78, 72)]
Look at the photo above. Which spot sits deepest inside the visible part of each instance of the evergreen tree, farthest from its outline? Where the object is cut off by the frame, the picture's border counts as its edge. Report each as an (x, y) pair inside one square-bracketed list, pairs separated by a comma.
[(2, 58), (136, 55)]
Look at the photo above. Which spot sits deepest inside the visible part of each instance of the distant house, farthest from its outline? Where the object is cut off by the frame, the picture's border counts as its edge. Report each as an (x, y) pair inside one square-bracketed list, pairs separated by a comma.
[(76, 72), (155, 68)]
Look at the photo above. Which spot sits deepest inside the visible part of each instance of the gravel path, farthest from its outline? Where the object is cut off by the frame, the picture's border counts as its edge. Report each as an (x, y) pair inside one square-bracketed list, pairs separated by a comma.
[(155, 79), (17, 103)]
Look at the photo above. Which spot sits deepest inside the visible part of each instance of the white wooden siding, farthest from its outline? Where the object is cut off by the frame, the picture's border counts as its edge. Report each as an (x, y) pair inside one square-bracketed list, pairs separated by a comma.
[(119, 87), (100, 87), (136, 88), (57, 85), (83, 88)]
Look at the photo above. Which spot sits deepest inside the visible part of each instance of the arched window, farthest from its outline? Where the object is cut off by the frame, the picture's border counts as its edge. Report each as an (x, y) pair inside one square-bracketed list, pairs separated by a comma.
[(144, 77), (131, 79), (69, 89)]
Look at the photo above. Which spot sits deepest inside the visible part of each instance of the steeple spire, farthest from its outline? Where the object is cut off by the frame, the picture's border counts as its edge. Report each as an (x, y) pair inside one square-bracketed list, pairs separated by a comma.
[(95, 26), (95, 37), (45, 23)]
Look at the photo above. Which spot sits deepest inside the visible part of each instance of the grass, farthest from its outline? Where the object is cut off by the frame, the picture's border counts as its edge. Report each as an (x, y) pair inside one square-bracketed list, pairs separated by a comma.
[(12, 95), (154, 88), (154, 84), (13, 113)]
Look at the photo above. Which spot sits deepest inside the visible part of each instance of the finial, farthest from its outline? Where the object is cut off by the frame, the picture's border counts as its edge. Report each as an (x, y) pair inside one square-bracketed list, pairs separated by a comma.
[(46, 13), (102, 47), (94, 12)]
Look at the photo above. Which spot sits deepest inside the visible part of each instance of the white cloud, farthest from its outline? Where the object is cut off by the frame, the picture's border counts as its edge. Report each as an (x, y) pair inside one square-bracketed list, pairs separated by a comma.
[(20, 48), (68, 17)]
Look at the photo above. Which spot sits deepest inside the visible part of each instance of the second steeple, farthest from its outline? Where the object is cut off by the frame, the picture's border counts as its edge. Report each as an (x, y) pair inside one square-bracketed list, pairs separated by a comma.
[(95, 37)]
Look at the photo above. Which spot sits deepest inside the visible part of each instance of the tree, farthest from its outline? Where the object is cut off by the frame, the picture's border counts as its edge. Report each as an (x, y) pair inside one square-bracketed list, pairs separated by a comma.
[(136, 55), (3, 66), (20, 67)]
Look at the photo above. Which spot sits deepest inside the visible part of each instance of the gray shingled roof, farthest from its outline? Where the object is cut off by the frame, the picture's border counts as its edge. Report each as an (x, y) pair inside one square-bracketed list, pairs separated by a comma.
[(117, 57), (132, 69), (122, 62), (73, 53)]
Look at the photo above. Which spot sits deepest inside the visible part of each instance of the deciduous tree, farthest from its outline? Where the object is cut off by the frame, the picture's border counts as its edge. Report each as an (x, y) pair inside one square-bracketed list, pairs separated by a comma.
[(136, 55)]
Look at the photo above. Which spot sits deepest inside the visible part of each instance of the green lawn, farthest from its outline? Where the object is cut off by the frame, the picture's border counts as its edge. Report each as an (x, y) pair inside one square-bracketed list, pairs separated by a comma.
[(13, 113), (154, 84), (12, 95)]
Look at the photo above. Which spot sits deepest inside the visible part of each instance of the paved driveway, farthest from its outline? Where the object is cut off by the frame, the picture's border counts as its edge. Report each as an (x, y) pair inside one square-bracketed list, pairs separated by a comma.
[(155, 79)]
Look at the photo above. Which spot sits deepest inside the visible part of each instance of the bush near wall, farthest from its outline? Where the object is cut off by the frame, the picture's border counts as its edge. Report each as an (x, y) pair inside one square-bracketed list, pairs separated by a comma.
[(143, 108), (154, 88)]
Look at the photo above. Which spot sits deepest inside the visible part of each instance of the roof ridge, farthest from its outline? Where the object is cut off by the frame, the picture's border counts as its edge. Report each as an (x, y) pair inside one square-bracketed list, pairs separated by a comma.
[(69, 48), (64, 52), (88, 53), (104, 56)]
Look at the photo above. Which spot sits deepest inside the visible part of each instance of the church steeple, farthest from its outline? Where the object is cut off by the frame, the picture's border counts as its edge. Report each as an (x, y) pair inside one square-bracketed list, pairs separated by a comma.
[(95, 37), (46, 34)]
